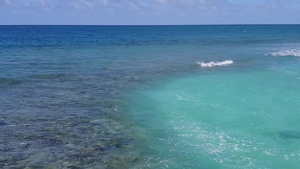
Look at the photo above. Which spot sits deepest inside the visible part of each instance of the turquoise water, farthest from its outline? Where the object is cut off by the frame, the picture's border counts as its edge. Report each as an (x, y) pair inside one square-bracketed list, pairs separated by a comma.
[(150, 96), (247, 119)]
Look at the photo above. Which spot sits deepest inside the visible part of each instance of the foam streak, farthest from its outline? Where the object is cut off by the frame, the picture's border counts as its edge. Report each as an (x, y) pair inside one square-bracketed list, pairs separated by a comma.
[(213, 64), (287, 52)]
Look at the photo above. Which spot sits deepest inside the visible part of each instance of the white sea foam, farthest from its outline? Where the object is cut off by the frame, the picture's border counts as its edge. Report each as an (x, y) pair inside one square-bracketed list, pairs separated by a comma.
[(286, 52), (213, 64)]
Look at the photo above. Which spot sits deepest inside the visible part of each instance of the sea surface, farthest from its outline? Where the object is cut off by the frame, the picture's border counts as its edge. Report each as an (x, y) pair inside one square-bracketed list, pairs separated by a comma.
[(150, 97)]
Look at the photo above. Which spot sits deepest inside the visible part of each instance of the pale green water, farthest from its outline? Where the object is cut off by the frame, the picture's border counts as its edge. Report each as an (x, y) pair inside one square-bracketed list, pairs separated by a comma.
[(220, 119)]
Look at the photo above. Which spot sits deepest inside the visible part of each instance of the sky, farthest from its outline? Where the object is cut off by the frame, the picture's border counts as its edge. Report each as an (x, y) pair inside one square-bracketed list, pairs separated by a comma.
[(148, 12)]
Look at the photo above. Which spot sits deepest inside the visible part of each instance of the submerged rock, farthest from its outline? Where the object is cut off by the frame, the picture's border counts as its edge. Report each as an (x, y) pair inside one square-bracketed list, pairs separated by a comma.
[(289, 134), (8, 81)]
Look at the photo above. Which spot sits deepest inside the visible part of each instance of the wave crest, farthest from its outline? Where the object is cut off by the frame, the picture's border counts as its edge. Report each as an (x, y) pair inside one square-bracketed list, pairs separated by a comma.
[(287, 52), (213, 64)]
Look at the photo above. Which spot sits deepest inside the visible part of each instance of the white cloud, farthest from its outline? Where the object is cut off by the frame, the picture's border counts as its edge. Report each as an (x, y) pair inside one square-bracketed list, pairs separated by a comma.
[(161, 1), (161, 11), (83, 4), (5, 2), (137, 5)]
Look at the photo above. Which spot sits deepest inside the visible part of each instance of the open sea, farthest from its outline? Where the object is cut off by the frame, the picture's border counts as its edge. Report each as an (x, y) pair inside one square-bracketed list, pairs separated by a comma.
[(150, 97)]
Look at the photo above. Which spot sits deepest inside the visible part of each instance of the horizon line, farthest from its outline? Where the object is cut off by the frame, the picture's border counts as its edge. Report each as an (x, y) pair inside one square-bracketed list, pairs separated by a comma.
[(149, 24)]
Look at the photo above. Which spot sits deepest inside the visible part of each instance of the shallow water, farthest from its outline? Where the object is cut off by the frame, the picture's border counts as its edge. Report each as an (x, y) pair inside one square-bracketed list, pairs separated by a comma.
[(139, 97), (230, 119)]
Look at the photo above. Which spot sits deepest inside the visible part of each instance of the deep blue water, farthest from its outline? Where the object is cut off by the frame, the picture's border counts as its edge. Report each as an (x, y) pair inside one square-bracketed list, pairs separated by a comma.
[(111, 96)]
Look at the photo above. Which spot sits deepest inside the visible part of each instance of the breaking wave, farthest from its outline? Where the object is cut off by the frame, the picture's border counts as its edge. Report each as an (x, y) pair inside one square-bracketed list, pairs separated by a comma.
[(213, 64), (286, 52)]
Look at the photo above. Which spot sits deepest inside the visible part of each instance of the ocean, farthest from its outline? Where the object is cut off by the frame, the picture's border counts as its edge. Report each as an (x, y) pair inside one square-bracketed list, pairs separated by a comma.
[(149, 97)]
